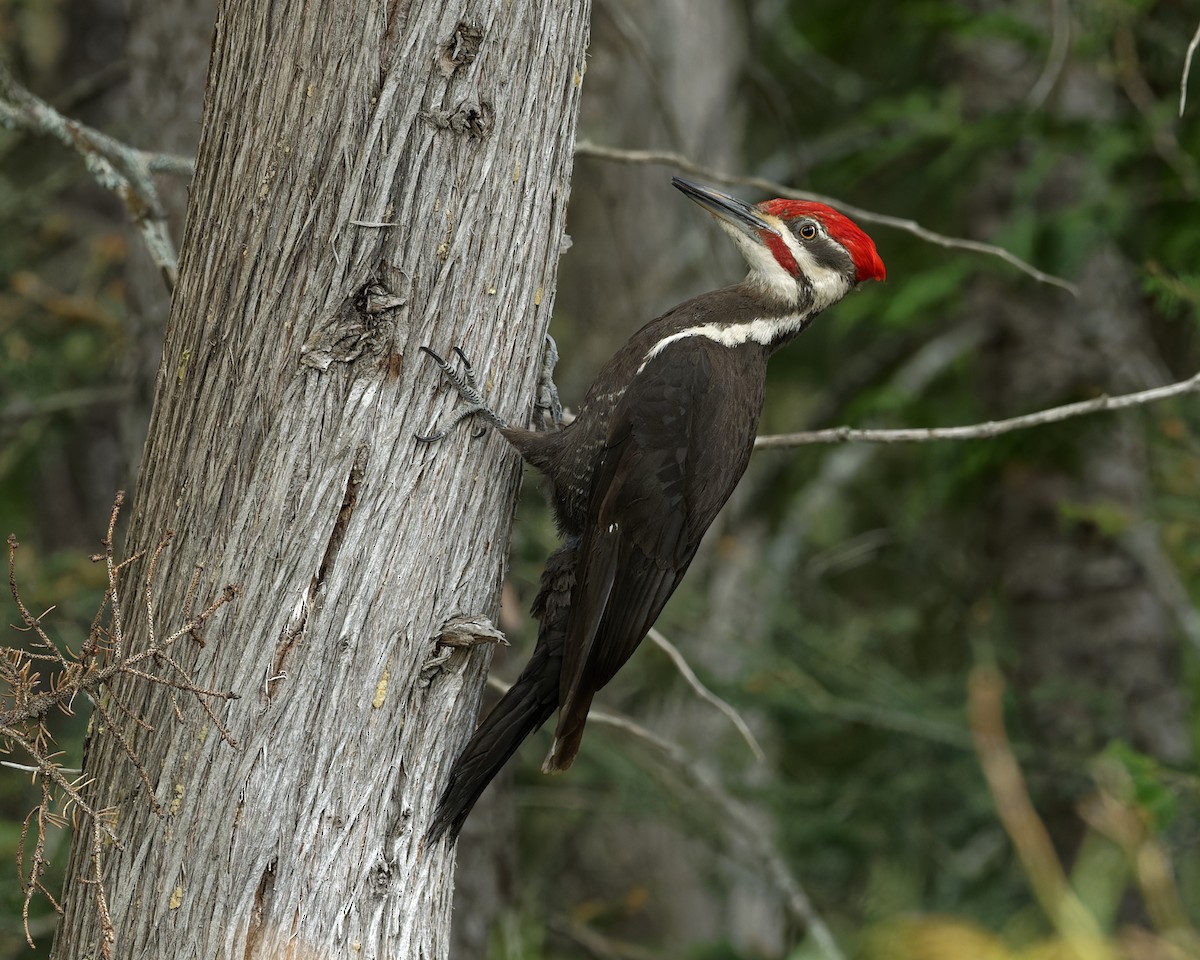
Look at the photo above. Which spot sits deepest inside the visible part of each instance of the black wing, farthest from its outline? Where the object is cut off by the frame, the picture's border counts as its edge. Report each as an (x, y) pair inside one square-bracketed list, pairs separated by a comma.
[(678, 443)]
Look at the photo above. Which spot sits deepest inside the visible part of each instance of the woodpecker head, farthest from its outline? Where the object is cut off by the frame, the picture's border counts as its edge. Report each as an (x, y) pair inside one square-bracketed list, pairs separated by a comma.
[(800, 253)]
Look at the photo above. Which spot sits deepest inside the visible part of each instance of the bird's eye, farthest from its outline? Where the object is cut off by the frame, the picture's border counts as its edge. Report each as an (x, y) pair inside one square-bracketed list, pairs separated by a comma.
[(808, 232)]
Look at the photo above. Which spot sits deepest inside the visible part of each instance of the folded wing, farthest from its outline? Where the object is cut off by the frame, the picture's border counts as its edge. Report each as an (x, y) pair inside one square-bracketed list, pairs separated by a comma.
[(676, 448)]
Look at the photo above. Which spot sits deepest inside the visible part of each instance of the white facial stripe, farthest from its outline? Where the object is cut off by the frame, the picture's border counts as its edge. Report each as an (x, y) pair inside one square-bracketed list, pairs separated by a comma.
[(766, 273), (829, 286), (732, 335)]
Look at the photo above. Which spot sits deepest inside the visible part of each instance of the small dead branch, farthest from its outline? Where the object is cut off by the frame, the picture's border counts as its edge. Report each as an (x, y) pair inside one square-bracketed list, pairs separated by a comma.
[(1187, 69), (707, 695), (127, 172), (1112, 812), (104, 656), (1071, 919), (763, 851), (1060, 45), (668, 158), (984, 431), (600, 945), (1141, 94)]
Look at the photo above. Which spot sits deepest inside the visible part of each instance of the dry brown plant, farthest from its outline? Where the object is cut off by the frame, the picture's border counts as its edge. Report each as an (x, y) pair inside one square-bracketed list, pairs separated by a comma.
[(44, 677)]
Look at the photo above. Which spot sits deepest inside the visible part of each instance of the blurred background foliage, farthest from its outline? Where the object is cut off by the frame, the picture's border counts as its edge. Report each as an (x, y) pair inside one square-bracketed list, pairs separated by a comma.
[(848, 595)]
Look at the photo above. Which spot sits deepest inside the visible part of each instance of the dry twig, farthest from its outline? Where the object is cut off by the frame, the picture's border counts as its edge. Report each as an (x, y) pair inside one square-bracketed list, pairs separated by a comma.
[(1162, 135), (103, 657), (1060, 45), (1071, 919), (1187, 69), (984, 431), (669, 158), (125, 171), (707, 695), (764, 852)]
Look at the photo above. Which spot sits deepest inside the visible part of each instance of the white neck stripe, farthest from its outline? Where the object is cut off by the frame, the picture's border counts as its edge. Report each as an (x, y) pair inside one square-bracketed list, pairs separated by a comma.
[(733, 334)]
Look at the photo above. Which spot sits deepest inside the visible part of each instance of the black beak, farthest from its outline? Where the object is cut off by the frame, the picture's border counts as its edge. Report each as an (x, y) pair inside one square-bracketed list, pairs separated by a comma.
[(731, 210)]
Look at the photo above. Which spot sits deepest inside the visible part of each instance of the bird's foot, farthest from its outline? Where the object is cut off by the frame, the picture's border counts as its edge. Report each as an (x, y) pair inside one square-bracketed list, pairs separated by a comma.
[(547, 403), (472, 402)]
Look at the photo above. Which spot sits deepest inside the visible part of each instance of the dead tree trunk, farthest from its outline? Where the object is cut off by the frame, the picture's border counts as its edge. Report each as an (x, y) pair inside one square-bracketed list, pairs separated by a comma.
[(369, 180)]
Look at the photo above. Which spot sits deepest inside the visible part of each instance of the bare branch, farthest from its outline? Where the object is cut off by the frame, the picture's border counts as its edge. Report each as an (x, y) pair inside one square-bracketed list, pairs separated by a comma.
[(1114, 812), (52, 774), (26, 768), (600, 945), (733, 813), (151, 569), (125, 171), (1162, 134), (104, 655), (107, 929), (1060, 45), (984, 431), (585, 148), (1074, 923), (704, 693), (65, 400), (1187, 69), (118, 648), (821, 701), (32, 882)]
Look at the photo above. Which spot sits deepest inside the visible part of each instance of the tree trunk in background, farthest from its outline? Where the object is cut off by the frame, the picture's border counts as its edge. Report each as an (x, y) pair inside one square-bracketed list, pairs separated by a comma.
[(281, 454), (167, 51), (660, 76), (79, 460), (1094, 641)]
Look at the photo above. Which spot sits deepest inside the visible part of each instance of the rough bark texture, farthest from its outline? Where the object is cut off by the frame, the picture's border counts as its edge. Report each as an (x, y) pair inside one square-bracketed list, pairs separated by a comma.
[(281, 453)]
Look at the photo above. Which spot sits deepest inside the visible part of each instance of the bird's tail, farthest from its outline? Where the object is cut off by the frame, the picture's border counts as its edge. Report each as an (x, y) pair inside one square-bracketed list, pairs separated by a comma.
[(523, 709), (568, 737)]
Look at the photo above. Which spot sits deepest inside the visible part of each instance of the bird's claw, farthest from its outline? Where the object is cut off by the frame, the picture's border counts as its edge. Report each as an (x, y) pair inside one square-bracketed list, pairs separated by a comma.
[(473, 401), (547, 393)]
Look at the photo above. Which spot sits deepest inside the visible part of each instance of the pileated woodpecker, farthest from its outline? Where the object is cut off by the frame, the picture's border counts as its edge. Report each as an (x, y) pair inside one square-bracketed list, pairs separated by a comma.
[(662, 438)]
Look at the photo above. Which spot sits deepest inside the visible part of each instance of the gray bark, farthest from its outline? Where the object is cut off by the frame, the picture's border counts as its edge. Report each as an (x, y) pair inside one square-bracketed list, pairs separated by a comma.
[(281, 454)]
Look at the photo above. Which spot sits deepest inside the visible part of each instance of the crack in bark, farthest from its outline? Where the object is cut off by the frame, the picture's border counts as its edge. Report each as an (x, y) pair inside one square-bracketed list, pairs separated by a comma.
[(262, 900), (338, 534), (299, 620)]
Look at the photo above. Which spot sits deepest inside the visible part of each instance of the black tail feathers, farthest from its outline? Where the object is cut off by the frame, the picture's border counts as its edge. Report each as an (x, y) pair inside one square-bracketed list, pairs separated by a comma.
[(528, 704)]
